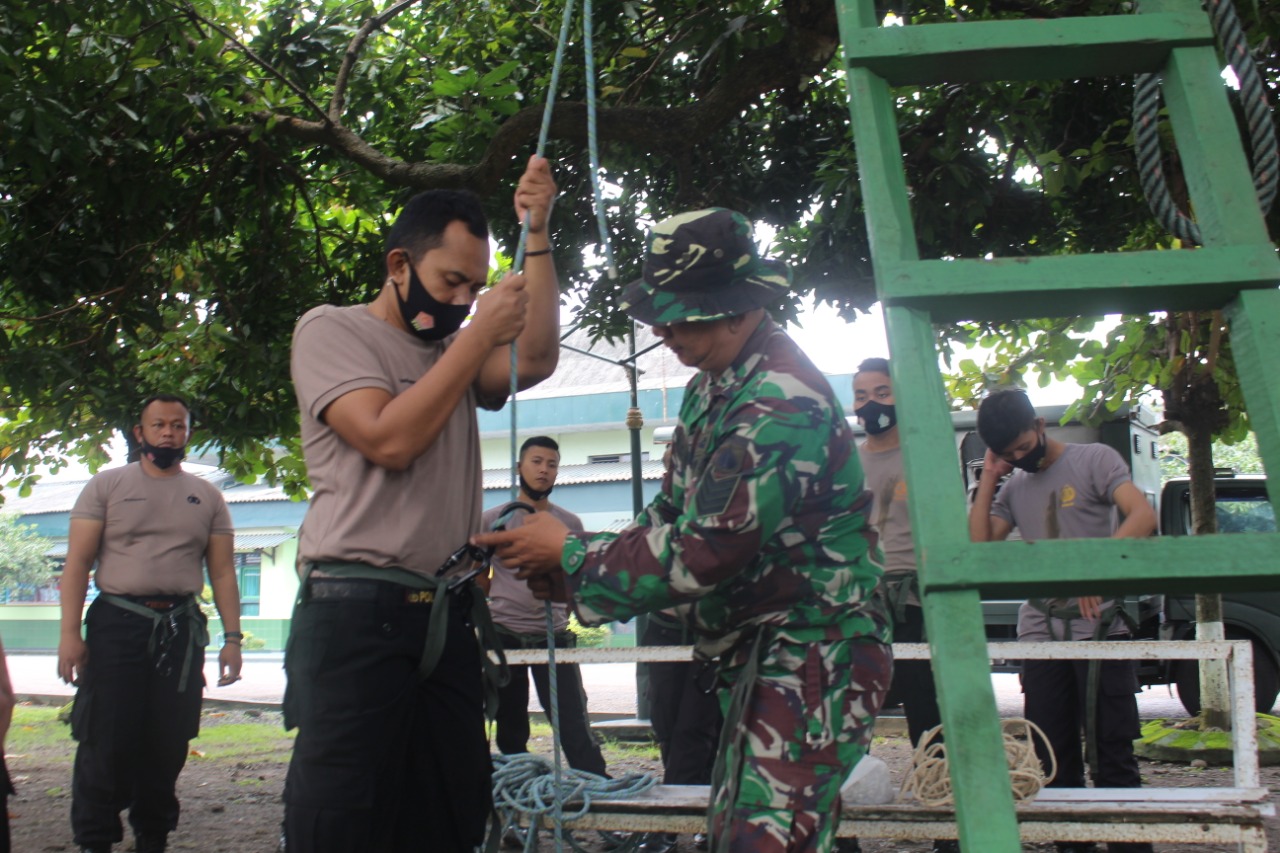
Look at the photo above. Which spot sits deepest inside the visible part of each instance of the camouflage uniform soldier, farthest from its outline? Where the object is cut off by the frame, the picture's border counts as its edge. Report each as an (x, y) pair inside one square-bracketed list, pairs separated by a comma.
[(759, 532)]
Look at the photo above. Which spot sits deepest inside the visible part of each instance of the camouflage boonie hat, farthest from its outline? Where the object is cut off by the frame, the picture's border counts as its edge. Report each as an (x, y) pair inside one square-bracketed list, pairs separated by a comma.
[(703, 265)]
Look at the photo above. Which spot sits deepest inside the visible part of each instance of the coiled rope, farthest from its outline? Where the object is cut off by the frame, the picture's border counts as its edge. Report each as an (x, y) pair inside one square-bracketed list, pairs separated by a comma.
[(521, 787), (1262, 134), (930, 780)]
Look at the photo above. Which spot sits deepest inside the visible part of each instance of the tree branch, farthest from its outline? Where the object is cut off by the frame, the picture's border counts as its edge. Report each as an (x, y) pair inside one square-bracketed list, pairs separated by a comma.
[(258, 60), (352, 53)]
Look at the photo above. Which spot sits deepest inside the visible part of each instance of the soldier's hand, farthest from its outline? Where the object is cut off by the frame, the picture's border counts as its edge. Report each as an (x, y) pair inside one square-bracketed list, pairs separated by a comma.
[(500, 310), (534, 547), (1090, 606), (229, 664), (535, 194), (73, 655), (549, 587)]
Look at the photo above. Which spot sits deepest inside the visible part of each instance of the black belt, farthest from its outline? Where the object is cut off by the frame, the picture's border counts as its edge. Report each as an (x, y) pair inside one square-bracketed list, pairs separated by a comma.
[(383, 592), (162, 603)]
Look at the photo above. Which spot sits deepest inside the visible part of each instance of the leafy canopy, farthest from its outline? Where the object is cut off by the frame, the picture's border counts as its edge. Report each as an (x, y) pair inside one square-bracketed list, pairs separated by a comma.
[(181, 179)]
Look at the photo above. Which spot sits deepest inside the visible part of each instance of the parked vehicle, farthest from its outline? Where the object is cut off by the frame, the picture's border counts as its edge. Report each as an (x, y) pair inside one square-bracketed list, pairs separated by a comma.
[(1243, 507)]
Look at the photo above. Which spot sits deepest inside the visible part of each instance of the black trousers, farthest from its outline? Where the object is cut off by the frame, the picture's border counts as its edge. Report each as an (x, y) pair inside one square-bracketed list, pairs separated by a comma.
[(512, 720), (133, 728), (913, 679), (684, 711), (1055, 700), (384, 761)]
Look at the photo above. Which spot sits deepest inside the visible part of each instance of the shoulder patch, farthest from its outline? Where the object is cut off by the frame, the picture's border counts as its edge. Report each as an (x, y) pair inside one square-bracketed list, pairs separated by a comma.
[(722, 477)]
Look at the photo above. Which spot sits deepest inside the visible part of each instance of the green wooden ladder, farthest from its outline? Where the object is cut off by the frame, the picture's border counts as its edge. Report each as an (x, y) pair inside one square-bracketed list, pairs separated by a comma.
[(1237, 268)]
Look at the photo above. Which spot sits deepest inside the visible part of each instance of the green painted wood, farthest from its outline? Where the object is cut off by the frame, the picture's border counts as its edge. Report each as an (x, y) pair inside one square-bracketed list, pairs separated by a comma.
[(1225, 562), (976, 759), (1044, 49), (1255, 343), (936, 505), (1212, 154), (880, 173), (1075, 285)]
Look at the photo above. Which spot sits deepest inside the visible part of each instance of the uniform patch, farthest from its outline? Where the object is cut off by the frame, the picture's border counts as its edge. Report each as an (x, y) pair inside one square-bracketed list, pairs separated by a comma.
[(722, 477)]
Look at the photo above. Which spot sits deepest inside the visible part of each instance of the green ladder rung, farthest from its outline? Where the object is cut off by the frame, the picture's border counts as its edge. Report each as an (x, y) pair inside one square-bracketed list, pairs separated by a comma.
[(1052, 285), (1172, 564), (1058, 49)]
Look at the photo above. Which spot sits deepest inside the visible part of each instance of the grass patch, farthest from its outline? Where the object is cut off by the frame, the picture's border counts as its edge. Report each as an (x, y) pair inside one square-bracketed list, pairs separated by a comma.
[(223, 737), (36, 728), (248, 742)]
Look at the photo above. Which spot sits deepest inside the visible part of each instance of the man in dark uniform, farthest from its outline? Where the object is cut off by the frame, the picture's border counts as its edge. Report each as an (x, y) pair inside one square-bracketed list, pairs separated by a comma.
[(1066, 491), (760, 529), (150, 527), (385, 671)]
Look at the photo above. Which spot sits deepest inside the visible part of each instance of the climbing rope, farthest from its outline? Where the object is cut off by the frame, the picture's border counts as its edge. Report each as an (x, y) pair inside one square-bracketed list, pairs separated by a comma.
[(930, 779), (1262, 135), (522, 787), (520, 782)]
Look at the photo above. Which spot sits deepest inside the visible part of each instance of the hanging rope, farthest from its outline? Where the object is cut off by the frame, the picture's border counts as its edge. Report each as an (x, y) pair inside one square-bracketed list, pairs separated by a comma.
[(1262, 135), (520, 782), (930, 779)]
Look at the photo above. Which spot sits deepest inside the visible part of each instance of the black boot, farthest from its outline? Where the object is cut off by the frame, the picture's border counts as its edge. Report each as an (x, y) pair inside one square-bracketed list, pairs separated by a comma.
[(150, 843)]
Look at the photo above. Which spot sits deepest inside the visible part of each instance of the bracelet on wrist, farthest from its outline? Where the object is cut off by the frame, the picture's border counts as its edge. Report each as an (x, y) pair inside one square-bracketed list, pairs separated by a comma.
[(545, 251), (233, 635)]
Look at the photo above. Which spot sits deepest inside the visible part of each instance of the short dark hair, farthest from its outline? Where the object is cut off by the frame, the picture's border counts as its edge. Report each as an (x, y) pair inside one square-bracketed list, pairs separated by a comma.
[(163, 398), (421, 224), (873, 365), (539, 441), (1005, 414)]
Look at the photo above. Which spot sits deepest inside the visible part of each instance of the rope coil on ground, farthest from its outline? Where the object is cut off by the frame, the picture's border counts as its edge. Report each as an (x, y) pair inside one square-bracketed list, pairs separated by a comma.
[(930, 779), (524, 785)]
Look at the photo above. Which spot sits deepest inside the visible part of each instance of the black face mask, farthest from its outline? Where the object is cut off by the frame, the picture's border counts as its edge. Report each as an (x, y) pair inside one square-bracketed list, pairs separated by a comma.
[(877, 417), (532, 492), (1034, 458), (428, 318), (163, 457)]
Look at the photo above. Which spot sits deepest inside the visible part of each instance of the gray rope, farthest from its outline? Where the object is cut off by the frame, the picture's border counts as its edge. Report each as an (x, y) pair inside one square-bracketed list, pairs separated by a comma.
[(1262, 136), (526, 785)]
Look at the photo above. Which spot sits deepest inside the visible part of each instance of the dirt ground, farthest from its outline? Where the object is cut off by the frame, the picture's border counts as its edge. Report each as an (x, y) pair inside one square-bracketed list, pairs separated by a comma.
[(230, 793)]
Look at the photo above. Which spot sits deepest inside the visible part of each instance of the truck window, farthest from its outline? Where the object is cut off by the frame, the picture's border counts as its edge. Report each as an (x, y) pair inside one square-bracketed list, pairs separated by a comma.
[(1245, 515)]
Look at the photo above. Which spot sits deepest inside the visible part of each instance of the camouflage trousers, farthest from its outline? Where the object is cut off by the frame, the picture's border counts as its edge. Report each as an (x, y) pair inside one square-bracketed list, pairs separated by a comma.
[(800, 729)]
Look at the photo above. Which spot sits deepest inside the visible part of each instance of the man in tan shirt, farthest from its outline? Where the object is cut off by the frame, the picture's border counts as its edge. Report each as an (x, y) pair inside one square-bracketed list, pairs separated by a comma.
[(150, 527), (384, 670), (521, 622)]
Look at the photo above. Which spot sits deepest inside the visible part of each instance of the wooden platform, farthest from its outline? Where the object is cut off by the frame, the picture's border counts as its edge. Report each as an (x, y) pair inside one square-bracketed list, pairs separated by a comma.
[(1225, 818)]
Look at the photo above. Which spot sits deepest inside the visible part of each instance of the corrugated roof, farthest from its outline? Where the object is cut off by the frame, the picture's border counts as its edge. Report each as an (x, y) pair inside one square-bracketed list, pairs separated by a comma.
[(259, 541), (593, 472), (578, 374), (244, 542), (60, 495)]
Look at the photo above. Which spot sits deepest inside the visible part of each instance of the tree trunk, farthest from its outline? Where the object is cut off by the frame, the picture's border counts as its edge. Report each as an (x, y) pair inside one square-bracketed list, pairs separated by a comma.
[(1215, 695)]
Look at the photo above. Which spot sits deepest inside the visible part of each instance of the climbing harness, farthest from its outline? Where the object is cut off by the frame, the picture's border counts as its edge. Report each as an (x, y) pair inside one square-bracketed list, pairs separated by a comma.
[(1116, 612), (165, 630), (1262, 133)]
